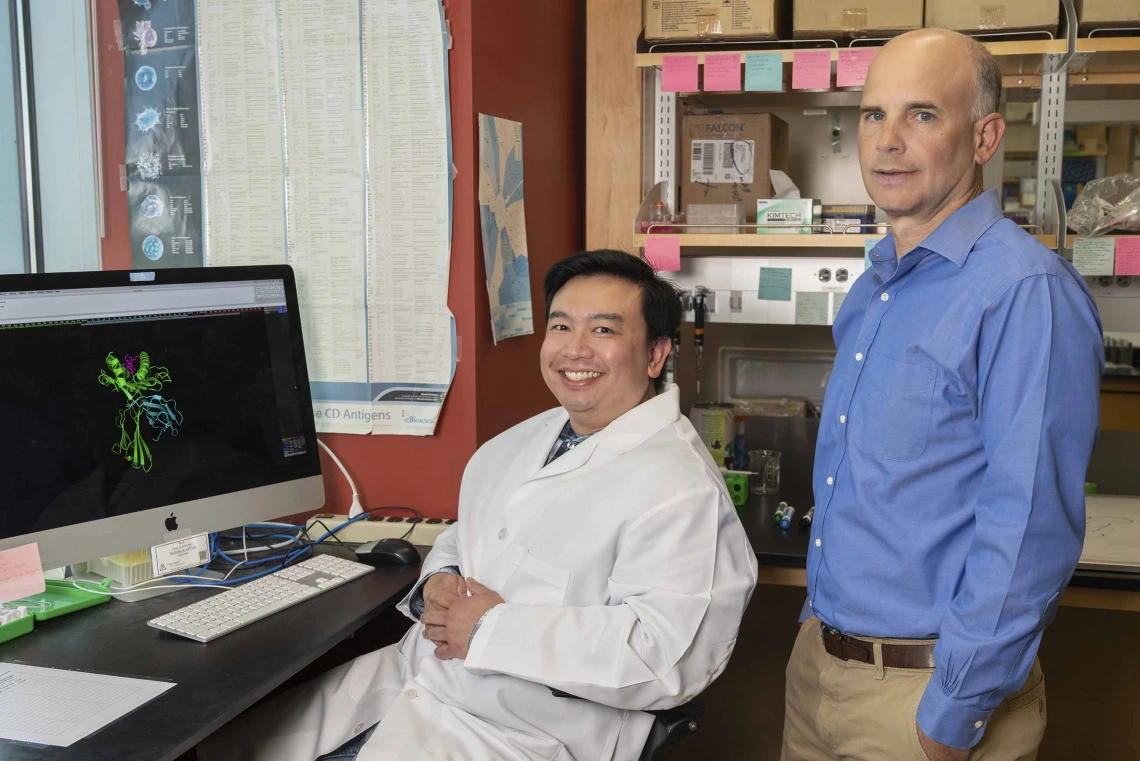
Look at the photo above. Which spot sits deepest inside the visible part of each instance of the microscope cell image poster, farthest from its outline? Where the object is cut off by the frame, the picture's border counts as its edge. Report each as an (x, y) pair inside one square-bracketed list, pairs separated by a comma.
[(163, 133)]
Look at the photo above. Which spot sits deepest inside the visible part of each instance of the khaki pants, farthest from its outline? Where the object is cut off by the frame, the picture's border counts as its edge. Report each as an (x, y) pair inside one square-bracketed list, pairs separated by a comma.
[(837, 709)]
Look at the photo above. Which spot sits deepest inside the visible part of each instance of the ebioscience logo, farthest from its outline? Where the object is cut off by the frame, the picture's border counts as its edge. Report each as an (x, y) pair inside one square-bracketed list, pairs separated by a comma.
[(418, 420)]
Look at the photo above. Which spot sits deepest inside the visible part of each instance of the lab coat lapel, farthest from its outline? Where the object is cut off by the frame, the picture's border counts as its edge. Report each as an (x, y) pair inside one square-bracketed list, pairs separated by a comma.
[(620, 436)]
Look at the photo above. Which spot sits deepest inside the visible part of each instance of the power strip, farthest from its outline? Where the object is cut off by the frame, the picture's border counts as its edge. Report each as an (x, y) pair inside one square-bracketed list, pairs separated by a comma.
[(423, 532)]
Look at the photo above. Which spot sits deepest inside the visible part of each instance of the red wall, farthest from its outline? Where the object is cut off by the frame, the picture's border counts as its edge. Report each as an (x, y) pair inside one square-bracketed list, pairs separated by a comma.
[(530, 68), (527, 60)]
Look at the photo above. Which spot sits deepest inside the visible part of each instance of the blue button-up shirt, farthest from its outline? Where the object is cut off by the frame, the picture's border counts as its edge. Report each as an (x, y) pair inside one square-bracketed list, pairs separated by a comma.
[(949, 475)]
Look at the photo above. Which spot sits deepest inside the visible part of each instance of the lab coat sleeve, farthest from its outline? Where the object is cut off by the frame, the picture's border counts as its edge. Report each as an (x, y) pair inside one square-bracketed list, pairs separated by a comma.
[(677, 592), (444, 553)]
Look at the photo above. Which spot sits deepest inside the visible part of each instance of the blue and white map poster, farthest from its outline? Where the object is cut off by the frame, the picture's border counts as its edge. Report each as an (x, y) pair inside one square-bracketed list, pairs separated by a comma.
[(501, 210)]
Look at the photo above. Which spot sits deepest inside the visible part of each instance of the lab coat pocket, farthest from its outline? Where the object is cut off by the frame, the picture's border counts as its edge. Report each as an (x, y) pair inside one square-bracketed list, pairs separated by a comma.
[(536, 582), (891, 408)]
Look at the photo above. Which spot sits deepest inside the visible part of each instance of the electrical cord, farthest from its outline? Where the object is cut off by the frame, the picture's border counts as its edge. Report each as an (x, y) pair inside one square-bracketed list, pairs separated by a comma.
[(302, 537), (355, 509)]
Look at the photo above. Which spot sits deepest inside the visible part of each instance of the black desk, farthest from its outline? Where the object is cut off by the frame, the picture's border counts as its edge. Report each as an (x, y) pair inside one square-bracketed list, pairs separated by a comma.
[(782, 554), (215, 681)]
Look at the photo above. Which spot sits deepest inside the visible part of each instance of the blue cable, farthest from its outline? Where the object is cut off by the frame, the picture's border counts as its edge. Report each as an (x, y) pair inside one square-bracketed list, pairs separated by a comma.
[(289, 557)]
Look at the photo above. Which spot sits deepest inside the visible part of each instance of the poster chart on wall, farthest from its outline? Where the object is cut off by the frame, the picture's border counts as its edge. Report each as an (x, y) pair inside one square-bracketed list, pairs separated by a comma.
[(327, 146), (503, 220), (163, 151)]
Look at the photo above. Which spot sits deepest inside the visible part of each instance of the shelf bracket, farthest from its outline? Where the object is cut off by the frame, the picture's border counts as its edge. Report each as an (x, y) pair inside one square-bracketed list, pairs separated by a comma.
[(664, 141), (1050, 205)]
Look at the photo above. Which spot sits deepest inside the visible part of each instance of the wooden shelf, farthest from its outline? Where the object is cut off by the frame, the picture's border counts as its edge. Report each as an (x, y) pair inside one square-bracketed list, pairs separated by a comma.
[(1027, 47), (1002, 49), (791, 240), (755, 240)]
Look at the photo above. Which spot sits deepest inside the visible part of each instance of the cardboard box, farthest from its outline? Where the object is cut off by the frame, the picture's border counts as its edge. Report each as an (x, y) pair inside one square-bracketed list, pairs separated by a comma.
[(993, 15), (840, 18), (711, 19), (1105, 14), (787, 213), (725, 158)]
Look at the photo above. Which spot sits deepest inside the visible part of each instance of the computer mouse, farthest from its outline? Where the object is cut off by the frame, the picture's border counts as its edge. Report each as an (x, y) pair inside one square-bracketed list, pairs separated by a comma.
[(388, 552)]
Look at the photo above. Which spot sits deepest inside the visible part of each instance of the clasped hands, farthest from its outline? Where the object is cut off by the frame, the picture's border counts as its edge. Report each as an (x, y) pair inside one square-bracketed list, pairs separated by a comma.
[(452, 607)]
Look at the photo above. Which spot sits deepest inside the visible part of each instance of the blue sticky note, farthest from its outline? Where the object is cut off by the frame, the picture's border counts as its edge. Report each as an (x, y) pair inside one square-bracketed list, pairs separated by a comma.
[(868, 244), (775, 284), (764, 72)]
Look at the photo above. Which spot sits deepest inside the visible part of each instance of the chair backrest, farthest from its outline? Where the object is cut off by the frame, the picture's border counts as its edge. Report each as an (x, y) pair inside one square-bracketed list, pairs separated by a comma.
[(670, 727)]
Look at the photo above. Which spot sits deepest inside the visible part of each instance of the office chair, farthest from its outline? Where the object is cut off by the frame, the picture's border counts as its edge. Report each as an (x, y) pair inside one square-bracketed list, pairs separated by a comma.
[(670, 726)]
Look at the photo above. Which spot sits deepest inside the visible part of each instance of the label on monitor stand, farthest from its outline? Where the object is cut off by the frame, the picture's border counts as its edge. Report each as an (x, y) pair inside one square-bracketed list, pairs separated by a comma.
[(179, 555)]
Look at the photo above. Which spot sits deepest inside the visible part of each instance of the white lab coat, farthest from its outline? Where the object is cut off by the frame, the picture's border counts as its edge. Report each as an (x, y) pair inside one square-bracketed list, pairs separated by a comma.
[(625, 572)]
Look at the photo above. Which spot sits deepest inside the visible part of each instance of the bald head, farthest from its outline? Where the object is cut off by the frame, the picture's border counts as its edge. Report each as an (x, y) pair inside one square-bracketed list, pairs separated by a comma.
[(928, 122), (952, 49)]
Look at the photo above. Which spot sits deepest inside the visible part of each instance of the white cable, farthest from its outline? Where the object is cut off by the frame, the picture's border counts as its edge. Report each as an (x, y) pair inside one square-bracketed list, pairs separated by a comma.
[(263, 548), (356, 508), (98, 590), (104, 591)]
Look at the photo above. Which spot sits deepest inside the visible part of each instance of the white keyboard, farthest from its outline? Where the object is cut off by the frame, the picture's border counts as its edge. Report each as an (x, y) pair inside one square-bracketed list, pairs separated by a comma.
[(223, 613)]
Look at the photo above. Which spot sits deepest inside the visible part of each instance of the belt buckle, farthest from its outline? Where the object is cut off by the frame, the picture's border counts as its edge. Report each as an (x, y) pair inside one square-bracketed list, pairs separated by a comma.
[(846, 641)]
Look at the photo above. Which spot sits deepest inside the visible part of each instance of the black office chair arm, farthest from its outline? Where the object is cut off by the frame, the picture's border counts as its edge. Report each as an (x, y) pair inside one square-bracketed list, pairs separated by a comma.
[(670, 726)]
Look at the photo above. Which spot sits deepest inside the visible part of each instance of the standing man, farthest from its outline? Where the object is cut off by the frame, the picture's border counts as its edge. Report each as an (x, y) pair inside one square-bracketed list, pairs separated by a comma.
[(597, 556), (957, 427)]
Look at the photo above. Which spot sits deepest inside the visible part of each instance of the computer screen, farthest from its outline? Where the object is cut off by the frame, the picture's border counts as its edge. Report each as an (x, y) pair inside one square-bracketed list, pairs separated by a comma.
[(137, 406)]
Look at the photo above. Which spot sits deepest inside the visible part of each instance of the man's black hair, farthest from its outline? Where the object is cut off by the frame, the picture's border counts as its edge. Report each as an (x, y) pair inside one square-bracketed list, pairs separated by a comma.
[(660, 303)]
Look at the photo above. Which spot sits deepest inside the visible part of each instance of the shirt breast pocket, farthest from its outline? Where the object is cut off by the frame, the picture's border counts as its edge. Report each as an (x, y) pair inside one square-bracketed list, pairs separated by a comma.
[(891, 408), (536, 582)]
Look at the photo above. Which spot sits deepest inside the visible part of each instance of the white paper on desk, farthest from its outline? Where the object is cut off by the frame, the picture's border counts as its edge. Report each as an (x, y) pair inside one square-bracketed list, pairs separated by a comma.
[(56, 707)]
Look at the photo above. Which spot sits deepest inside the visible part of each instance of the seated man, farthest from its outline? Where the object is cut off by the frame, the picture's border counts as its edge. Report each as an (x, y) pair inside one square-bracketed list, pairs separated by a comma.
[(619, 568)]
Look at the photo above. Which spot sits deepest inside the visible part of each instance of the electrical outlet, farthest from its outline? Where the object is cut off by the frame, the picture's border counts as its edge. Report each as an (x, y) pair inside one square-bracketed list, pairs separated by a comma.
[(423, 532)]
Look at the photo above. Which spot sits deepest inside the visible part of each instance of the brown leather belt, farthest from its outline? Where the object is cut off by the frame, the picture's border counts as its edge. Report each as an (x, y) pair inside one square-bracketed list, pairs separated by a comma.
[(895, 656)]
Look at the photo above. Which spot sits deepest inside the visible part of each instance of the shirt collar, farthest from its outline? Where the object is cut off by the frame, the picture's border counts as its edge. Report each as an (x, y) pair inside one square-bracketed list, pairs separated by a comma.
[(956, 236)]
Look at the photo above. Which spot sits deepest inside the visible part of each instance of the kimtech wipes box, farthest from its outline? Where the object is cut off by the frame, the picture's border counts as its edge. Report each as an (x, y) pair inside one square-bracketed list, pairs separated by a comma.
[(786, 215), (725, 158)]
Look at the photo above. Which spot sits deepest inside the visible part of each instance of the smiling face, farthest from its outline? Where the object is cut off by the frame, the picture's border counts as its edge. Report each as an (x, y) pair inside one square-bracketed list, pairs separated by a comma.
[(596, 358), (920, 149)]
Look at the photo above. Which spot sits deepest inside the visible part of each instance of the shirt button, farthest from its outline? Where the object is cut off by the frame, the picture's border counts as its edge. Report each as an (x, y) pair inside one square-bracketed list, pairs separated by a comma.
[(858, 356), (502, 534), (818, 542), (810, 605), (411, 694), (842, 418), (357, 729), (977, 725), (830, 480), (885, 297)]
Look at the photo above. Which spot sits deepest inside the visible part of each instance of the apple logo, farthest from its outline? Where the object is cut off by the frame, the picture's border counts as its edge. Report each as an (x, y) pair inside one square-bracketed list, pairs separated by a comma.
[(172, 523)]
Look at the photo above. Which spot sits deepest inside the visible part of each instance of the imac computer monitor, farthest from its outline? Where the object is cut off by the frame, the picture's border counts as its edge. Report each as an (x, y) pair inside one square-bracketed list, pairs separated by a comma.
[(142, 407)]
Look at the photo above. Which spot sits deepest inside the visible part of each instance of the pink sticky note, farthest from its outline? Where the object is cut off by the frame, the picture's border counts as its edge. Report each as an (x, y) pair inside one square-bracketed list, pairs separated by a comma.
[(853, 65), (20, 572), (664, 254), (722, 72), (679, 73), (811, 70), (1128, 256)]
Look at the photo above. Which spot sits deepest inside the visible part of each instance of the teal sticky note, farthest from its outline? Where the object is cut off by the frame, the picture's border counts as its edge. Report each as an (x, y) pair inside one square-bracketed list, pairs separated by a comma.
[(811, 308), (764, 72), (775, 284), (868, 244)]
